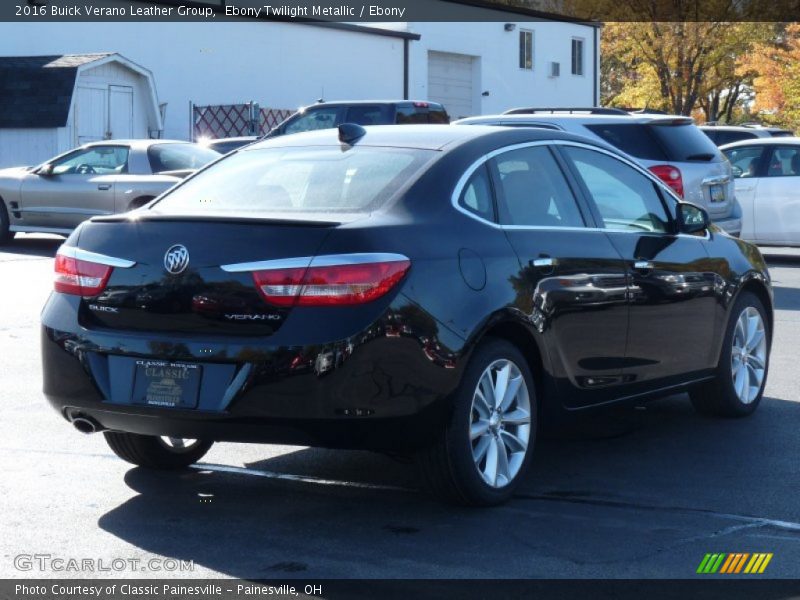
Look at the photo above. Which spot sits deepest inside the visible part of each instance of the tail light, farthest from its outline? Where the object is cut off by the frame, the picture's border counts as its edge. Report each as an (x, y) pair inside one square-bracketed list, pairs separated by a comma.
[(353, 279), (80, 277), (671, 176)]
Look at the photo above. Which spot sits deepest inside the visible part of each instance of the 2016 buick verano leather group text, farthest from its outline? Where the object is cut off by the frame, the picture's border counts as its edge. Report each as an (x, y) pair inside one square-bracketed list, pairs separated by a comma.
[(437, 290)]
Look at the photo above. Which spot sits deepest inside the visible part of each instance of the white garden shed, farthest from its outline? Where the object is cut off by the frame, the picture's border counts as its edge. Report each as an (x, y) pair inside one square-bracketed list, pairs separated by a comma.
[(53, 103)]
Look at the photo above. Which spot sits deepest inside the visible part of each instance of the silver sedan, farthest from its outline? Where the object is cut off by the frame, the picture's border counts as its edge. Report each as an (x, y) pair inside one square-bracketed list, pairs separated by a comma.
[(100, 178)]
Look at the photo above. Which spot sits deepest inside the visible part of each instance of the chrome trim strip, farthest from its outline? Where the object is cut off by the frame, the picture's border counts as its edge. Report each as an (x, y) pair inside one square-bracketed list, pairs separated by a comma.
[(462, 182), (716, 180), (101, 259), (325, 260)]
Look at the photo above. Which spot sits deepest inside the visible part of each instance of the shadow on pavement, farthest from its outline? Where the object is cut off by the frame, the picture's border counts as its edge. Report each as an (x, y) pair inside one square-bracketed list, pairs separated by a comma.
[(599, 492), (30, 245)]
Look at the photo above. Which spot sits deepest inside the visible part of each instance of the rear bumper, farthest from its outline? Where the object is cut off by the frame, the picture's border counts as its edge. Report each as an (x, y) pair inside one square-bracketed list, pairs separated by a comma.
[(375, 390)]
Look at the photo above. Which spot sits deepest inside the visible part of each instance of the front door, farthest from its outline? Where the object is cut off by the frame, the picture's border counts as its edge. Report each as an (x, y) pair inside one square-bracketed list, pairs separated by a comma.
[(80, 186), (776, 208), (747, 163), (671, 283), (572, 282)]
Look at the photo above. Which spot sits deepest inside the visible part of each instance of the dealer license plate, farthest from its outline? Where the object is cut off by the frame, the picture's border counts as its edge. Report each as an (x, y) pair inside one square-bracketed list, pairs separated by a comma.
[(167, 384)]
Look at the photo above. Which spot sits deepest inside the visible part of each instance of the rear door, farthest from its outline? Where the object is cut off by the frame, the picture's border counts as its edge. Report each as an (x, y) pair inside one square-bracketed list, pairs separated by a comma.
[(671, 288), (80, 186), (572, 279), (776, 206)]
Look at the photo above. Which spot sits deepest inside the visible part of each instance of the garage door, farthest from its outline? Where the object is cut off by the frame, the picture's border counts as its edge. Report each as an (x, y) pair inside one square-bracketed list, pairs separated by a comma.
[(451, 81)]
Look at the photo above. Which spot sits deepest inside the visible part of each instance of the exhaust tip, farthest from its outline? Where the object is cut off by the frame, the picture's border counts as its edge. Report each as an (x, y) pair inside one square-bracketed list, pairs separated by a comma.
[(84, 425)]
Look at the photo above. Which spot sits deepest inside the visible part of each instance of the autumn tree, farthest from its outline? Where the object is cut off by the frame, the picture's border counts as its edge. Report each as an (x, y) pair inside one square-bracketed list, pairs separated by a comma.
[(680, 66), (777, 81)]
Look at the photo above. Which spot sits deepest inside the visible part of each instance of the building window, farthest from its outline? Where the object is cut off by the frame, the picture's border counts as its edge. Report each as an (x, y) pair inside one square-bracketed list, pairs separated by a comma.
[(526, 50), (577, 56)]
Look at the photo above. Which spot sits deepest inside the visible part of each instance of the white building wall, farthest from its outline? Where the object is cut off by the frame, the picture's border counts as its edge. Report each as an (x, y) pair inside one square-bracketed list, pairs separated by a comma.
[(28, 147), (497, 64), (279, 65)]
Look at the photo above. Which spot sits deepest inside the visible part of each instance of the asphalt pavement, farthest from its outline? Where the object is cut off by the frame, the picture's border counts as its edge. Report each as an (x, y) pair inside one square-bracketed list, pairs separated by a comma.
[(641, 492)]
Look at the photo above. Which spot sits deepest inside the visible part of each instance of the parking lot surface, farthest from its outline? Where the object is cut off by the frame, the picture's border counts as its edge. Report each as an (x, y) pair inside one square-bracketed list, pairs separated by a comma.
[(640, 492)]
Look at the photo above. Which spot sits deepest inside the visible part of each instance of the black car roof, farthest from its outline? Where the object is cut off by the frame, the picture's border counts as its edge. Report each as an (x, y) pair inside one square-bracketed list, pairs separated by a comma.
[(429, 137)]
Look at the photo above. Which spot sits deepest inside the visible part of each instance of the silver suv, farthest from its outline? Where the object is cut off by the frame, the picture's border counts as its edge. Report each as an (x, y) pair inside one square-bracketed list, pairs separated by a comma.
[(672, 147)]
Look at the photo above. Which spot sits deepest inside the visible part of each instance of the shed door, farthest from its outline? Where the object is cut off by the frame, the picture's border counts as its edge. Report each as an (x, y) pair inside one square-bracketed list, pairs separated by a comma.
[(92, 113), (120, 112), (451, 81)]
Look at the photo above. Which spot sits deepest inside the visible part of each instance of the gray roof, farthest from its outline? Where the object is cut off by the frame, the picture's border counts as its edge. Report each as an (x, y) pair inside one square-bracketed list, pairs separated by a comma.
[(36, 91)]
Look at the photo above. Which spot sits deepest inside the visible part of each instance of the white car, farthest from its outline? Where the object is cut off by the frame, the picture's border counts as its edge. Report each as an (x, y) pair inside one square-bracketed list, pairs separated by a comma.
[(767, 178)]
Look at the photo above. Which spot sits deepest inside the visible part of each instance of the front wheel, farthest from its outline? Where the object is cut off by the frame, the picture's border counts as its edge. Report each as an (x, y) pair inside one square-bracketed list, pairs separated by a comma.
[(486, 446), (155, 452), (741, 375)]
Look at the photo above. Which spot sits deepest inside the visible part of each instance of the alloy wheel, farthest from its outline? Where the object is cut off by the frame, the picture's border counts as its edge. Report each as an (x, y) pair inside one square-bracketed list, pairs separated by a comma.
[(500, 424), (748, 355)]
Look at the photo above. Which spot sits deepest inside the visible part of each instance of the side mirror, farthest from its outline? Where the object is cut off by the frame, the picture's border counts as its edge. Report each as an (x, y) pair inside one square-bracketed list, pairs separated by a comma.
[(692, 218), (46, 170)]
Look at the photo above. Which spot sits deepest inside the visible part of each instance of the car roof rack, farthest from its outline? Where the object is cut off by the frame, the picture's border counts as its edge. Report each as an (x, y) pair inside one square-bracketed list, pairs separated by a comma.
[(592, 110)]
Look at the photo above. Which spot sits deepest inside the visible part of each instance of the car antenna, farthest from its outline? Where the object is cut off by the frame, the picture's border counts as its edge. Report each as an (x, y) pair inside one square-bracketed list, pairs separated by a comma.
[(349, 133)]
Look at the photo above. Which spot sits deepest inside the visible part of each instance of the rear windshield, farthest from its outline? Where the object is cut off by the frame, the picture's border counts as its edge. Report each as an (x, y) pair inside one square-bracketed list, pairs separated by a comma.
[(298, 180), (668, 142), (177, 157)]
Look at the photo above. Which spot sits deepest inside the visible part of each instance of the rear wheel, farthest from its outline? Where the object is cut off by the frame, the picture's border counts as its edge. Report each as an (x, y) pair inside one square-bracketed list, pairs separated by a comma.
[(741, 374), (156, 452), (486, 446), (5, 235)]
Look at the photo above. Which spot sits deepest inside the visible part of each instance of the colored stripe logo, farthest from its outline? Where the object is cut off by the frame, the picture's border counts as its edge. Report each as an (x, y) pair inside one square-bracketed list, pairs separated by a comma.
[(737, 562)]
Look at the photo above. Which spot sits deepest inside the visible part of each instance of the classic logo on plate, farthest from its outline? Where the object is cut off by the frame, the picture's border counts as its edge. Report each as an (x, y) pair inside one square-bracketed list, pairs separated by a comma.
[(176, 259)]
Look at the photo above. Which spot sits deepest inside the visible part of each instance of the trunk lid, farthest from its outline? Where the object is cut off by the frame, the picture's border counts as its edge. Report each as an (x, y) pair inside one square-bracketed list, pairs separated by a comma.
[(201, 297)]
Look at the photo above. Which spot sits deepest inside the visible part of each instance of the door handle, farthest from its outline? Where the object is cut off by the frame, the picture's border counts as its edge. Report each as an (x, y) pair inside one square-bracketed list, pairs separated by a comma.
[(104, 186), (643, 265)]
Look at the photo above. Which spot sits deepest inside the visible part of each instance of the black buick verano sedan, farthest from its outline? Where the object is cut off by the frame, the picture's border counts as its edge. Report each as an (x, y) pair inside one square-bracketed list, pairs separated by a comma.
[(428, 289)]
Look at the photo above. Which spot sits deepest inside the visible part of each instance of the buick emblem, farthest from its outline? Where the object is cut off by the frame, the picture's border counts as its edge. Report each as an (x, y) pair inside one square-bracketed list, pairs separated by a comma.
[(176, 259)]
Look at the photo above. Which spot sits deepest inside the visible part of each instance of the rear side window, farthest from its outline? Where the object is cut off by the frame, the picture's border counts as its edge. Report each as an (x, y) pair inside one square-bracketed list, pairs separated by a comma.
[(178, 157), (298, 180), (313, 119), (533, 191), (379, 114), (477, 195), (728, 137), (667, 142), (421, 115), (784, 162), (625, 198)]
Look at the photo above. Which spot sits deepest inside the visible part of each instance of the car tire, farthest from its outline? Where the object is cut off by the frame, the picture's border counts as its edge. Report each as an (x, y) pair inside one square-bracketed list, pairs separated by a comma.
[(457, 467), (154, 452), (5, 234), (741, 375)]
